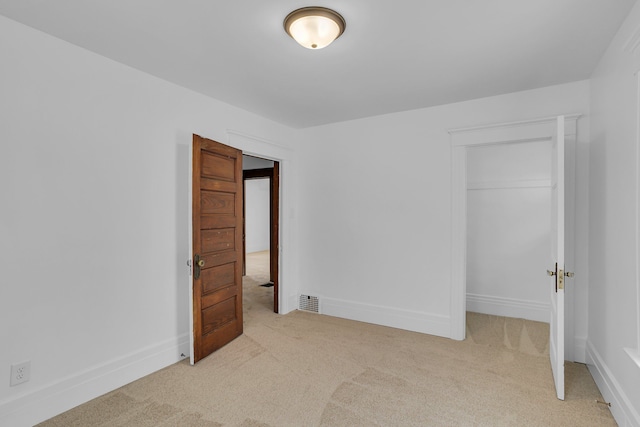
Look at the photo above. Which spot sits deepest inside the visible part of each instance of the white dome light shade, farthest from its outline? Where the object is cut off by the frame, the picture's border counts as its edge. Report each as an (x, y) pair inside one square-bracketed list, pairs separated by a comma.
[(314, 32), (314, 27)]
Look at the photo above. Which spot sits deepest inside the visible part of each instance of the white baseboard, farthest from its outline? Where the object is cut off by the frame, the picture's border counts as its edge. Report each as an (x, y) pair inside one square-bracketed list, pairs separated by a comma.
[(508, 307), (293, 302), (580, 349), (621, 407), (50, 400), (416, 321)]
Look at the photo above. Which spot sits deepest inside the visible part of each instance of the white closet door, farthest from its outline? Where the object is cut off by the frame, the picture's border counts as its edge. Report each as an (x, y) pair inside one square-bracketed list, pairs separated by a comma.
[(556, 330)]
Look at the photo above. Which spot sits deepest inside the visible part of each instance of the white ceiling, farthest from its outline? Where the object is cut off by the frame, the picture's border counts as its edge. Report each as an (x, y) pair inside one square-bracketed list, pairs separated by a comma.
[(394, 55)]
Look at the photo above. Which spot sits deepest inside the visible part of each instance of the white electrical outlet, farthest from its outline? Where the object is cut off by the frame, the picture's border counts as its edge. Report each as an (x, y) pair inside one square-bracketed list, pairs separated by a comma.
[(20, 373)]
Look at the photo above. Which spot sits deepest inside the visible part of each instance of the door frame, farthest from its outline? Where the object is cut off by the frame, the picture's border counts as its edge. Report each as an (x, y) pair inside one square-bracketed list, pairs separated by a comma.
[(502, 133), (273, 174), (270, 150)]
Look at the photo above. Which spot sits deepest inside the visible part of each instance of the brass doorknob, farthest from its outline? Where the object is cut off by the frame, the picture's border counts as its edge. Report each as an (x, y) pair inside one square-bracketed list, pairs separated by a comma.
[(201, 263), (551, 273), (568, 274)]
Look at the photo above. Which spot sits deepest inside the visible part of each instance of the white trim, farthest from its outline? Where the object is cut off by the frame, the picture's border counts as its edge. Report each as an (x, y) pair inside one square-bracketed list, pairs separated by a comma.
[(417, 321), (253, 138), (519, 123), (458, 243), (634, 355), (638, 211), (621, 407), (633, 42), (192, 344), (260, 147), (580, 349), (294, 301), (503, 185), (508, 307), (52, 399)]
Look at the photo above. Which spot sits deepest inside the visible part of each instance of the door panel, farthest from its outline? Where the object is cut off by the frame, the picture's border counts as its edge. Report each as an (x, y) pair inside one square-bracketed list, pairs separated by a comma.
[(217, 243), (215, 202), (556, 326), (219, 277), (216, 167), (218, 240)]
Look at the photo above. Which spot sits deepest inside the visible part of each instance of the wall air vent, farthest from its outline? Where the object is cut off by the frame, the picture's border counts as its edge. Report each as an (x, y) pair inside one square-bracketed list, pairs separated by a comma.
[(308, 303)]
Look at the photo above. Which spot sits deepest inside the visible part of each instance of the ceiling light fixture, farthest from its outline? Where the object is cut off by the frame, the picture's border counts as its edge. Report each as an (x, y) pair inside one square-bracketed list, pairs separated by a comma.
[(314, 27)]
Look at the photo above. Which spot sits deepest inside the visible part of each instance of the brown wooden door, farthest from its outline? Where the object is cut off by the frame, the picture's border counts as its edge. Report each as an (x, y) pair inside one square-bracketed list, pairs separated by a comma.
[(217, 245)]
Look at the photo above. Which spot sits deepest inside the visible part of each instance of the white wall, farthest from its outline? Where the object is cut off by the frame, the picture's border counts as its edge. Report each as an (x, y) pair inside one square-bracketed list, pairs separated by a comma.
[(375, 208), (257, 206), (613, 228), (94, 178), (508, 229)]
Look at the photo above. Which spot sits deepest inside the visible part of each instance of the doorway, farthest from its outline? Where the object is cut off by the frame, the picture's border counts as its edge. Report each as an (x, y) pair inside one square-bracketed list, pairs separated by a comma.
[(557, 130), (216, 247), (509, 229), (462, 140), (261, 178)]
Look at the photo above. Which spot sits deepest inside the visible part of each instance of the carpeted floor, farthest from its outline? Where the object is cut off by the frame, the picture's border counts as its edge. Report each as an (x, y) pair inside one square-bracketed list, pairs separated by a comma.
[(305, 369)]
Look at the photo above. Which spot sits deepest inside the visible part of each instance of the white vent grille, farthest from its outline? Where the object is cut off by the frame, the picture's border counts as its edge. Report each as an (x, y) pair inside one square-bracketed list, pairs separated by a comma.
[(309, 303)]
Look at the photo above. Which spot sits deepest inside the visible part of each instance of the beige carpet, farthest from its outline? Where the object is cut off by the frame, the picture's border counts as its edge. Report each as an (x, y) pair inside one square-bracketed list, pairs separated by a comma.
[(305, 369)]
